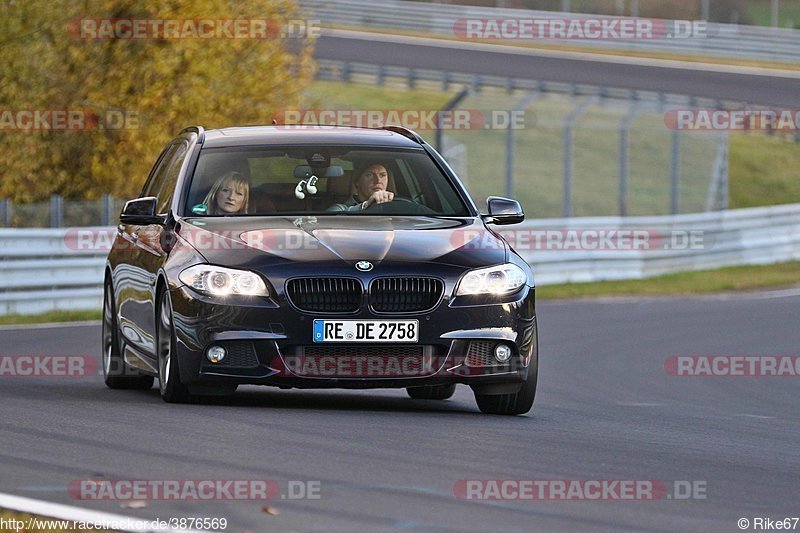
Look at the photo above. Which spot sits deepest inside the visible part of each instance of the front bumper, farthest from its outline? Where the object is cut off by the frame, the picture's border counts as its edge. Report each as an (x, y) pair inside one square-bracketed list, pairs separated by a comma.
[(267, 338)]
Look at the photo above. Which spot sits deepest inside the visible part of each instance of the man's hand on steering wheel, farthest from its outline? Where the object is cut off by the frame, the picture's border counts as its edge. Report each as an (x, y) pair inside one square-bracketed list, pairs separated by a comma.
[(378, 197)]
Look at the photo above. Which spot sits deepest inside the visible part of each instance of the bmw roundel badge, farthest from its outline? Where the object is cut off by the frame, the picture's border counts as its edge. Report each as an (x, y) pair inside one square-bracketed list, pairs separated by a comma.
[(364, 266)]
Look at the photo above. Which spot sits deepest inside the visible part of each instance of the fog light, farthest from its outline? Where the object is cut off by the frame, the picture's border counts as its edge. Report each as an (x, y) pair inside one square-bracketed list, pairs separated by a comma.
[(215, 354), (502, 352)]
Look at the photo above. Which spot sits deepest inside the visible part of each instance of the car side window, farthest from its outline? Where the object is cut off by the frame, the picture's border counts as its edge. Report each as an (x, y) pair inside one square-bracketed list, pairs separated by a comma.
[(170, 177), (154, 179)]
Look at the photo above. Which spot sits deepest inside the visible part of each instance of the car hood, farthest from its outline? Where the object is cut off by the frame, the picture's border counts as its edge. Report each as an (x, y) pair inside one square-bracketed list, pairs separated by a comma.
[(235, 240)]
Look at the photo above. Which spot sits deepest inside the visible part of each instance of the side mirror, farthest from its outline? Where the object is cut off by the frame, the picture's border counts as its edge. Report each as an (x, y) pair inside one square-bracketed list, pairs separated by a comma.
[(503, 211), (141, 211)]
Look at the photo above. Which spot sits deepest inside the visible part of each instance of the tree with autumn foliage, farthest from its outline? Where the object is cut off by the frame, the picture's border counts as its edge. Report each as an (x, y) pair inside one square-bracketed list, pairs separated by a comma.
[(142, 91)]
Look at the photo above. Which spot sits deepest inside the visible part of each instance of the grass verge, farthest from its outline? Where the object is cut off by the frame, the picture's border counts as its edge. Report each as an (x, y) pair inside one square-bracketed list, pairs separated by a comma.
[(732, 279), (50, 317)]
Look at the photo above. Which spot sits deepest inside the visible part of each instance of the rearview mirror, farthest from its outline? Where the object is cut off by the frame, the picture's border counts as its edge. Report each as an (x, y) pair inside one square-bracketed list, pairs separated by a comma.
[(141, 211), (503, 211), (303, 172)]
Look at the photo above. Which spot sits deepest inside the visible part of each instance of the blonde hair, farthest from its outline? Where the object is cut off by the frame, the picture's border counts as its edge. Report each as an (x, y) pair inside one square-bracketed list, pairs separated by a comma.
[(234, 179)]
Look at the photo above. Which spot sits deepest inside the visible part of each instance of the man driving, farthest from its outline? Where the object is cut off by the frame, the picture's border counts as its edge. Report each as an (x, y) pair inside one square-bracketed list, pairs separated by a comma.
[(370, 184)]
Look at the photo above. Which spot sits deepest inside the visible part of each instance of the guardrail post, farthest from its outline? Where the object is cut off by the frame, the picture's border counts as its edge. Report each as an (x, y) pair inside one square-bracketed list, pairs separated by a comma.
[(108, 208), (56, 211), (345, 72), (675, 174), (521, 105), (448, 106), (411, 79), (8, 208)]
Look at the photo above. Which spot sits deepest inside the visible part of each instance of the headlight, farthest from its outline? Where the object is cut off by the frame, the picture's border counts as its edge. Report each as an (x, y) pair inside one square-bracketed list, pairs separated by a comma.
[(500, 279), (221, 281)]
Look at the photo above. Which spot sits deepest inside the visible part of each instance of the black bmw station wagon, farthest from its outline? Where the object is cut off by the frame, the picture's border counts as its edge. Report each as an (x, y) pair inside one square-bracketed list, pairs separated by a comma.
[(317, 257)]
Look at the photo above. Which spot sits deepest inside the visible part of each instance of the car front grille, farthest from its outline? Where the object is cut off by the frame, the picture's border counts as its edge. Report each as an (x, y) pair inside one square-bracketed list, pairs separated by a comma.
[(325, 295), (403, 295)]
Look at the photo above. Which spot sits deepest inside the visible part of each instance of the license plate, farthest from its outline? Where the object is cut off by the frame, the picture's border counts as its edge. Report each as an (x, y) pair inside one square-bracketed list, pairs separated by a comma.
[(366, 330)]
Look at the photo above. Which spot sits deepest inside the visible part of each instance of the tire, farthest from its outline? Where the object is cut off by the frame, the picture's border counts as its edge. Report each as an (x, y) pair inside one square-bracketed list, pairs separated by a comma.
[(517, 403), (432, 392), (116, 374), (170, 387)]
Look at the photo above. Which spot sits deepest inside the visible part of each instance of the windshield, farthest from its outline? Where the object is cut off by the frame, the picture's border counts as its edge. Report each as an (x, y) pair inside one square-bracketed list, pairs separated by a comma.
[(313, 180)]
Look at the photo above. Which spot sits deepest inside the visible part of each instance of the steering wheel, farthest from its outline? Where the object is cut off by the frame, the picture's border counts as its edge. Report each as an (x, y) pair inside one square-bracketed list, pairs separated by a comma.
[(401, 205)]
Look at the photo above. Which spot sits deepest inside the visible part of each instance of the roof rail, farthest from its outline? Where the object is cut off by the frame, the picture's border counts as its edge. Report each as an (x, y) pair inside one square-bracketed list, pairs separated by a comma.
[(199, 130), (405, 132)]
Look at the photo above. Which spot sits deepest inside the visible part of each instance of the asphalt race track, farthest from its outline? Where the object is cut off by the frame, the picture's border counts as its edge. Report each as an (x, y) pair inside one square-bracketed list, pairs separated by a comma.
[(697, 80), (606, 410)]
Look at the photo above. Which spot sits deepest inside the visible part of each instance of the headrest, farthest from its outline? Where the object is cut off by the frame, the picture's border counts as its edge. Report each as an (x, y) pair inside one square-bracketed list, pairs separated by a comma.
[(341, 186)]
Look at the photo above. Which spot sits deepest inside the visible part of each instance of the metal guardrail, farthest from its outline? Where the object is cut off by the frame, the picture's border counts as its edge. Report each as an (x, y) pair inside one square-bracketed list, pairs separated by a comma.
[(41, 269), (722, 40)]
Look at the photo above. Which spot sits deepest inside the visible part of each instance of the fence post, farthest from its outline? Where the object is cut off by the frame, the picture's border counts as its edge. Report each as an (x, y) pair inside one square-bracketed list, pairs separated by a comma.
[(624, 158), (108, 208), (675, 174), (521, 105), (8, 207), (381, 75), (723, 182), (56, 211), (774, 13), (569, 122), (448, 106)]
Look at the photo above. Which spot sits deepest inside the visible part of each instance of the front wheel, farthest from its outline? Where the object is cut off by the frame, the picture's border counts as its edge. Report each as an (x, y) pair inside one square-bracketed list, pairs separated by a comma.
[(169, 379), (116, 374)]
